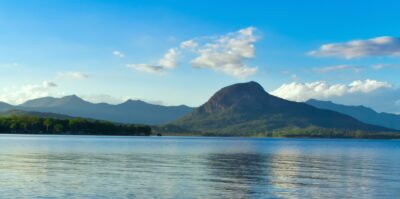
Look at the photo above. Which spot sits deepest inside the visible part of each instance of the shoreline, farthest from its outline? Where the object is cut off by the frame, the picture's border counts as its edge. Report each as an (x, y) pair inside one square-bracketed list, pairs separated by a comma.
[(177, 135)]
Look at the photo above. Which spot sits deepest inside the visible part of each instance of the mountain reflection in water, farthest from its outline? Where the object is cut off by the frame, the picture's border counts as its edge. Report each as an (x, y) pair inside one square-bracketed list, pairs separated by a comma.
[(183, 167)]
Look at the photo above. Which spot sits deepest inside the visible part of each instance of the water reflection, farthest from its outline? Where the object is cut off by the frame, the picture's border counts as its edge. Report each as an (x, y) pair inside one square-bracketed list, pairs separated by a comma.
[(71, 167), (237, 175)]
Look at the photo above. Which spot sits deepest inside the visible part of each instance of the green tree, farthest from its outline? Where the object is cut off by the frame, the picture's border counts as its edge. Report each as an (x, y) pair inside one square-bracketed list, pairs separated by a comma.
[(47, 123), (58, 128), (34, 124), (13, 127)]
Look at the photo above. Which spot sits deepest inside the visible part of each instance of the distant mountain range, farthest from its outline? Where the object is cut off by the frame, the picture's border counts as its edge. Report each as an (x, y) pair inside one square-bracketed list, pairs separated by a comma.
[(247, 109), (31, 113), (5, 107), (131, 111), (243, 109), (361, 113)]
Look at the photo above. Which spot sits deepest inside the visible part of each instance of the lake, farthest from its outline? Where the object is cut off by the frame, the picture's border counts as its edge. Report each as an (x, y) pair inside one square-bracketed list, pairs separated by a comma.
[(36, 166)]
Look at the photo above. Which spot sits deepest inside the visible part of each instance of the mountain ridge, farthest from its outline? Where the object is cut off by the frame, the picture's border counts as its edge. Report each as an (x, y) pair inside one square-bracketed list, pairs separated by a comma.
[(130, 111), (37, 114), (362, 113), (246, 108)]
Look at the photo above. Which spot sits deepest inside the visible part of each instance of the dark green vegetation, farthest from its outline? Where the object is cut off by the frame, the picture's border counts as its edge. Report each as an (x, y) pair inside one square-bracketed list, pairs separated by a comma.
[(361, 113), (48, 123), (245, 109), (131, 111)]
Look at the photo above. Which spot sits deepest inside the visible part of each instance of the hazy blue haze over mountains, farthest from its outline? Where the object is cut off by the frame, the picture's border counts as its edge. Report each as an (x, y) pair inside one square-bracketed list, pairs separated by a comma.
[(361, 113), (14, 112), (5, 106), (239, 108), (131, 111)]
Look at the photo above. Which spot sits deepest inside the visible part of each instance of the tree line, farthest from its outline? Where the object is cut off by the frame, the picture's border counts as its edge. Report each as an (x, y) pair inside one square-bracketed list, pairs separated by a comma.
[(39, 125)]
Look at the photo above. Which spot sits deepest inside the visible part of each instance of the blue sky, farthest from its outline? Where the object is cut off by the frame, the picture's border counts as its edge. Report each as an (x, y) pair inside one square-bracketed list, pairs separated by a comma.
[(114, 50)]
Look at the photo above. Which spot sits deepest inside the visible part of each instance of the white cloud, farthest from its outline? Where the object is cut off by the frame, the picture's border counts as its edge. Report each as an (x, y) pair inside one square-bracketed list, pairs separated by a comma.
[(382, 66), (189, 44), (74, 75), (378, 46), (228, 53), (146, 68), (118, 54), (47, 84), (18, 95), (367, 86), (321, 90), (330, 69), (378, 66), (168, 62)]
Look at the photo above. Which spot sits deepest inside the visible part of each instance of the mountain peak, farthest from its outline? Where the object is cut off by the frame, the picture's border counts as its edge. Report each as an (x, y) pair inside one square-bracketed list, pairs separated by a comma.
[(52, 101), (246, 85), (4, 106), (241, 96), (246, 108), (135, 102), (39, 102), (72, 97)]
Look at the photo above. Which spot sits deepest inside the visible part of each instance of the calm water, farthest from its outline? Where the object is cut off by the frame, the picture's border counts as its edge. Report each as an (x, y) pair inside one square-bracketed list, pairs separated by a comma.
[(183, 167)]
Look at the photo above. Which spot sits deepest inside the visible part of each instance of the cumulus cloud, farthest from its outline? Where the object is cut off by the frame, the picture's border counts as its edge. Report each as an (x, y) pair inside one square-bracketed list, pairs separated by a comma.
[(228, 53), (18, 95), (322, 90), (74, 75), (367, 86), (189, 44), (330, 69), (378, 46), (168, 62), (118, 54)]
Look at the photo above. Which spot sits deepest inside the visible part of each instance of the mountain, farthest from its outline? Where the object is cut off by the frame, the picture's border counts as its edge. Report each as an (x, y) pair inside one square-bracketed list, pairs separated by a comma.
[(37, 114), (5, 106), (71, 101), (247, 109), (361, 113), (131, 111), (150, 113)]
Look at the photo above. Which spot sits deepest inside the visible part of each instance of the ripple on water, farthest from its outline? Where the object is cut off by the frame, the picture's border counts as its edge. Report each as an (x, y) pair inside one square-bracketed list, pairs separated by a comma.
[(174, 167)]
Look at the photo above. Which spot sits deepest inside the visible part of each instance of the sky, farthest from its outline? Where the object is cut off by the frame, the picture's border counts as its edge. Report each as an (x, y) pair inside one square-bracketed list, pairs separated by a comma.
[(181, 52)]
